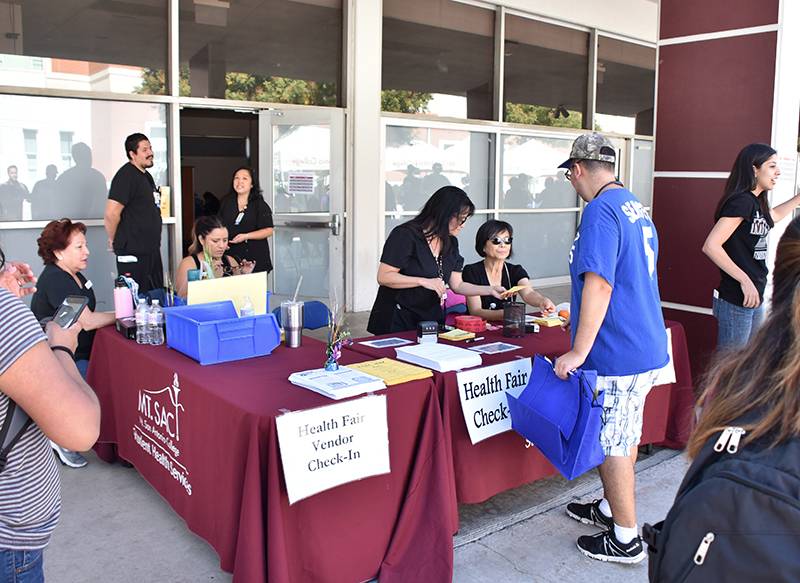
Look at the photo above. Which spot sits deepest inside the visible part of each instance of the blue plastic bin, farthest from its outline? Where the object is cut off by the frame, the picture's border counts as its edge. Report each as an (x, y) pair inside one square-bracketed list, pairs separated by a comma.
[(212, 333)]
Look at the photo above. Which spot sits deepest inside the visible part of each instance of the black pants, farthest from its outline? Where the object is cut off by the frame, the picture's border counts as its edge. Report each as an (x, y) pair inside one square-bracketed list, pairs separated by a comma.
[(146, 270)]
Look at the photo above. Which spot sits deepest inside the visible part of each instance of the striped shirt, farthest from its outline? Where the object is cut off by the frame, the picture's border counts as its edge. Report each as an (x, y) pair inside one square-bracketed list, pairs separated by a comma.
[(30, 490)]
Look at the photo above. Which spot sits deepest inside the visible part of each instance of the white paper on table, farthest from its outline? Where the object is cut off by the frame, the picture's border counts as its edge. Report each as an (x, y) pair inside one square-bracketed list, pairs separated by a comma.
[(329, 446)]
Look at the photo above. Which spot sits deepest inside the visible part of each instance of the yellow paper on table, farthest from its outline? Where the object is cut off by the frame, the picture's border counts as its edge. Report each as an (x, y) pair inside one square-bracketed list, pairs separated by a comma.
[(456, 335), (235, 288), (393, 372), (515, 290), (546, 321)]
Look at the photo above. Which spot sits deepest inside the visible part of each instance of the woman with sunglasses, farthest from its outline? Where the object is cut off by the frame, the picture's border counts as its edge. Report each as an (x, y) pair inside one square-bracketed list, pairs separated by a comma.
[(493, 243), (209, 241), (420, 260), (248, 218)]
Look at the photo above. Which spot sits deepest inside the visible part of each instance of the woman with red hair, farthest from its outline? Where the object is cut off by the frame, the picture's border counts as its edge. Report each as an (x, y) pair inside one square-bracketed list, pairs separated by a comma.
[(63, 248)]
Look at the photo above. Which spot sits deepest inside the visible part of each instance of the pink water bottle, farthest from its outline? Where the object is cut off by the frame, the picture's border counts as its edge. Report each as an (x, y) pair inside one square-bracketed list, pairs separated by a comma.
[(123, 300)]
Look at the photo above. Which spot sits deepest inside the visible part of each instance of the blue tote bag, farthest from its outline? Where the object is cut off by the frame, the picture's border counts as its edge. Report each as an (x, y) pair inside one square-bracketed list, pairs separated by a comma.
[(561, 417)]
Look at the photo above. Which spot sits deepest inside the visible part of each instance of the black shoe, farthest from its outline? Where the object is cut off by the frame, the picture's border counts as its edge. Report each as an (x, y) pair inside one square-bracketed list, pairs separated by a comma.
[(589, 514), (604, 546)]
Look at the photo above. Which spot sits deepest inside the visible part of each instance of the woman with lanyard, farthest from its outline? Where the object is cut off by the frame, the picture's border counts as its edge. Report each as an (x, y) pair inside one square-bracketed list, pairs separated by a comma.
[(738, 243), (493, 243), (420, 260), (248, 218)]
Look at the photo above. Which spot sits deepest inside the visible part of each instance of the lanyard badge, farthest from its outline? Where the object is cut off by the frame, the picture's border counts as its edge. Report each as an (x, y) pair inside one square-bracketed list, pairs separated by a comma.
[(238, 218)]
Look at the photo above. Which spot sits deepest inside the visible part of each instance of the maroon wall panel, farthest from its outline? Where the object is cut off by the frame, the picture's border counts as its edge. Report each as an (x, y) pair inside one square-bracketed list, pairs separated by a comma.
[(683, 211), (713, 98), (685, 17), (701, 339)]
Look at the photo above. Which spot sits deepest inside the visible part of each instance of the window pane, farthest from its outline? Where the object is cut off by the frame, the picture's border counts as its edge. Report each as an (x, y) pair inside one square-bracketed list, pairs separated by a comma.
[(419, 161), (531, 178), (280, 51), (438, 58), (119, 47), (20, 245), (546, 72), (626, 76), (643, 171), (301, 165), (75, 185), (466, 239), (542, 242)]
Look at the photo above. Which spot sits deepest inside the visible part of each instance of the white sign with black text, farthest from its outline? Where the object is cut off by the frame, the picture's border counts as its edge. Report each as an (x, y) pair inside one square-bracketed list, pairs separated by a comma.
[(483, 396), (329, 446)]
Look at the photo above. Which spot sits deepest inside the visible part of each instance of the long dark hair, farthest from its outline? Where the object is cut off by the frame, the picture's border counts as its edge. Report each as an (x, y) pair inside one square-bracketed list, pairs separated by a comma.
[(742, 179), (762, 377), (202, 227), (255, 192), (434, 218)]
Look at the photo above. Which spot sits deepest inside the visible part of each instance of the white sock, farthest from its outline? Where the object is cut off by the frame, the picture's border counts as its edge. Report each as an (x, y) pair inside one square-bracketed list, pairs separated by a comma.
[(625, 534), (605, 508)]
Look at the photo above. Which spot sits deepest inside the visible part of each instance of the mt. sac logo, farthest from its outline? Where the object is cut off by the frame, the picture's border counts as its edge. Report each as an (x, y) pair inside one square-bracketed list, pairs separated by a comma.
[(158, 429), (164, 413)]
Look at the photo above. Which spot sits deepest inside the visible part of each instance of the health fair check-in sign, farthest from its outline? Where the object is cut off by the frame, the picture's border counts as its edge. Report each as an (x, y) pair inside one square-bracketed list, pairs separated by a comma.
[(483, 396), (333, 445)]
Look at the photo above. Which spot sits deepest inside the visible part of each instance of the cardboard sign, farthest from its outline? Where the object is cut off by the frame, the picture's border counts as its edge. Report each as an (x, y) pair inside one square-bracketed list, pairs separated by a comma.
[(483, 396), (329, 446)]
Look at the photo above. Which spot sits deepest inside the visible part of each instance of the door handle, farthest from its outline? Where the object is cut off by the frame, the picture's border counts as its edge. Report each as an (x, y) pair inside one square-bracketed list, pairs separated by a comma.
[(335, 224)]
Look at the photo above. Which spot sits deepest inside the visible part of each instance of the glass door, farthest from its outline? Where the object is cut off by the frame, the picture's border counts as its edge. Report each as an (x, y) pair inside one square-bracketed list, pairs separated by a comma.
[(301, 160)]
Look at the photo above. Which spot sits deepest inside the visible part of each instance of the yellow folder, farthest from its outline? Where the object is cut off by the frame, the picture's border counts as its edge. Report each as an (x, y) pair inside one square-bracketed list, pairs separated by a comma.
[(393, 372)]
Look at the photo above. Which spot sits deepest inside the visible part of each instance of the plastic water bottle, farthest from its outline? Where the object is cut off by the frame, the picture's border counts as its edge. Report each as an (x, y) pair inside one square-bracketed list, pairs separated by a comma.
[(142, 322), (155, 324), (247, 308)]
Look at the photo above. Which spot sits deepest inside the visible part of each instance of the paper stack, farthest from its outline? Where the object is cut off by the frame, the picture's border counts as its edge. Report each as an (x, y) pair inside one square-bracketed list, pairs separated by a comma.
[(392, 371), (337, 384), (439, 357)]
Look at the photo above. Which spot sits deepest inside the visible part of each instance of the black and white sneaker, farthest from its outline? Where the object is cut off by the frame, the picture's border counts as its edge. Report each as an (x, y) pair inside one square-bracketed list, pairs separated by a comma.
[(604, 546), (589, 513)]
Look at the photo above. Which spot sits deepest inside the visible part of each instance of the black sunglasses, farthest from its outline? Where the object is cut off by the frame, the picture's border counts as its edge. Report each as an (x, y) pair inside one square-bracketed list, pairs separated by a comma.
[(503, 240)]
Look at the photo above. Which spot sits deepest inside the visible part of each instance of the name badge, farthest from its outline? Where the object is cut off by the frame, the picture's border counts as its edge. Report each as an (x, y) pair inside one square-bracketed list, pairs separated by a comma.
[(157, 197), (238, 218), (88, 284)]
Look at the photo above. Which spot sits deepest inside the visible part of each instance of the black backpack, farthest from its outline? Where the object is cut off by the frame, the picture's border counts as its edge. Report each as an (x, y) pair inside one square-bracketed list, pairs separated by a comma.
[(736, 516)]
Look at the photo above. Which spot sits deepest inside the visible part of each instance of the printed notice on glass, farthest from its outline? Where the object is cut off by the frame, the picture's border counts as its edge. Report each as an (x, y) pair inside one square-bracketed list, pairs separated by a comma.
[(329, 446), (300, 183), (483, 396)]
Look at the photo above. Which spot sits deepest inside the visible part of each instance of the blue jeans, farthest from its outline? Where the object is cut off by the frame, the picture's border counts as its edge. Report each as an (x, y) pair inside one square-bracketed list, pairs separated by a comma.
[(83, 366), (21, 566), (736, 323)]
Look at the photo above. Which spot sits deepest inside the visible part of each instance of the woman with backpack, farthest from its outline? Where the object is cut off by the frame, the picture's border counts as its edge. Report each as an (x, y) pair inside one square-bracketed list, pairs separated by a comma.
[(736, 516)]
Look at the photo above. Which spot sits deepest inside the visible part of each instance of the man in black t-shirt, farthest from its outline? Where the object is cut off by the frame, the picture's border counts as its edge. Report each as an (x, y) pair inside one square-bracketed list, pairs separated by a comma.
[(133, 216)]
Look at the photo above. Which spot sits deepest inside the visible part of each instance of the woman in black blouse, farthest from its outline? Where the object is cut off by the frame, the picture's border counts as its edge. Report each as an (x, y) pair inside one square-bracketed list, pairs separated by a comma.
[(493, 243), (420, 261), (248, 218)]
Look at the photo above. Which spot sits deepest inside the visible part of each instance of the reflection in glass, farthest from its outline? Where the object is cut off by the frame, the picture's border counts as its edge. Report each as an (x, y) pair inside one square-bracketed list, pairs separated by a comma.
[(20, 245), (546, 72), (114, 47), (530, 174), (419, 161), (542, 242), (280, 51), (642, 185), (55, 181), (626, 74), (301, 166), (438, 58), (302, 252)]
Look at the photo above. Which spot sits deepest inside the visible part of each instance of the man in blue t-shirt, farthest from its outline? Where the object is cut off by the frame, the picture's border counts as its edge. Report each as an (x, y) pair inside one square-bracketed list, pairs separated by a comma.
[(618, 330)]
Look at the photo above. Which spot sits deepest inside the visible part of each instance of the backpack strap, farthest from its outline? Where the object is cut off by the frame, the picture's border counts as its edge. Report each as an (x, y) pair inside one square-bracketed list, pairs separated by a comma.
[(14, 425)]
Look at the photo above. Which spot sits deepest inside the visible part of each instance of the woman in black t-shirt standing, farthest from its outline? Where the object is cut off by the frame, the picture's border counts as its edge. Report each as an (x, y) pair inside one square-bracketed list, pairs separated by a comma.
[(493, 243), (248, 218), (420, 260), (63, 248), (738, 243)]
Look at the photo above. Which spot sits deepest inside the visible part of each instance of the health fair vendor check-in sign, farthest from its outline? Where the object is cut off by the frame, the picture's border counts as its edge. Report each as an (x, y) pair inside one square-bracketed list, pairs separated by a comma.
[(483, 396), (333, 445)]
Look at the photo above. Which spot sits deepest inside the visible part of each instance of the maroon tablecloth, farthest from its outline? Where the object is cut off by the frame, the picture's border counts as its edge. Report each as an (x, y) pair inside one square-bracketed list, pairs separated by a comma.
[(503, 462), (220, 468)]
